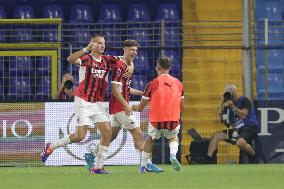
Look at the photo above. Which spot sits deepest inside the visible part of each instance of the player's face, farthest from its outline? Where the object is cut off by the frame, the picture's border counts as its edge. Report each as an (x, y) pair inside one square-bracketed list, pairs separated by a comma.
[(130, 53), (100, 44)]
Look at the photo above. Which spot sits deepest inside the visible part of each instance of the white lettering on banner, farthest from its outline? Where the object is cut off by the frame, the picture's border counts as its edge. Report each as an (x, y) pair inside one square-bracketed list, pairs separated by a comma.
[(13, 128), (4, 128), (264, 119)]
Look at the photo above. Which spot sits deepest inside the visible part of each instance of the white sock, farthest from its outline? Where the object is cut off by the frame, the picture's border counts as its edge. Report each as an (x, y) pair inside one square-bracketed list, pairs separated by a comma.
[(173, 148), (145, 158), (95, 151), (101, 157), (61, 142)]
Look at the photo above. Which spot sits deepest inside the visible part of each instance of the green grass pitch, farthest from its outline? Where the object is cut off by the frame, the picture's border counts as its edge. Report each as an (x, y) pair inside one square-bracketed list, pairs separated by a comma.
[(124, 177)]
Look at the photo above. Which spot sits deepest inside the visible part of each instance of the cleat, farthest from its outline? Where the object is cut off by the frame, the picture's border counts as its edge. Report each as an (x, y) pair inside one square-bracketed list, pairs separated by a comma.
[(175, 163), (150, 167), (90, 160), (99, 171), (143, 170), (46, 152)]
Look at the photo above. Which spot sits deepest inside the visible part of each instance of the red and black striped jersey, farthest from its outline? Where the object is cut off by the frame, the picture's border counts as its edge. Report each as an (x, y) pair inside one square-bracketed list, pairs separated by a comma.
[(117, 78), (93, 77)]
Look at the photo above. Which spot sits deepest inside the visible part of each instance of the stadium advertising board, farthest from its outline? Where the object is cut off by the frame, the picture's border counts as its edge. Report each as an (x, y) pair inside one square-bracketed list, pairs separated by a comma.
[(270, 115), (21, 133), (60, 121)]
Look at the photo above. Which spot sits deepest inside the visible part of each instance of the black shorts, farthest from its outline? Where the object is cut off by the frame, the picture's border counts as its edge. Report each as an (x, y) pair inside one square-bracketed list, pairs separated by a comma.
[(248, 133)]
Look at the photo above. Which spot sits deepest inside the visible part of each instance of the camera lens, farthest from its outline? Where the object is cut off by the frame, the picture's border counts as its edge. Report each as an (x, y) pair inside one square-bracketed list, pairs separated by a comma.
[(227, 96), (68, 84)]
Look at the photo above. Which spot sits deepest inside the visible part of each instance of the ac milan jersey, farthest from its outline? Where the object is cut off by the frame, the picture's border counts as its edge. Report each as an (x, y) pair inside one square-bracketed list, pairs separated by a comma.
[(92, 77), (117, 78)]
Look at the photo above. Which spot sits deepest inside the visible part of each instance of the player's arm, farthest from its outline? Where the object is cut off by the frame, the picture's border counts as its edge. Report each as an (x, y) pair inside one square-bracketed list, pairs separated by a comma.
[(115, 90), (74, 58), (141, 105), (136, 92)]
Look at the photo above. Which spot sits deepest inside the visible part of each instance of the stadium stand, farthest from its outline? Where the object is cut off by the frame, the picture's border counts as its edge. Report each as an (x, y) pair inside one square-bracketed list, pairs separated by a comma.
[(138, 13), (2, 16)]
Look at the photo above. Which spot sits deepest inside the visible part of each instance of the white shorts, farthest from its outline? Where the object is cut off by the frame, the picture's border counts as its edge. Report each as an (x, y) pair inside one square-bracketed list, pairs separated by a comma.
[(157, 133), (120, 119), (89, 113)]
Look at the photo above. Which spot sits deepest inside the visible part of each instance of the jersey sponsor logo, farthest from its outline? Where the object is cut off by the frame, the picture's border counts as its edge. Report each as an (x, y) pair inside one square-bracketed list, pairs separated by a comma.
[(98, 73)]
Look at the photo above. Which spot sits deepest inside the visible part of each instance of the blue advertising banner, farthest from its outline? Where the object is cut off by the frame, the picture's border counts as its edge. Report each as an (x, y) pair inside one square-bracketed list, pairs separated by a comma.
[(270, 145)]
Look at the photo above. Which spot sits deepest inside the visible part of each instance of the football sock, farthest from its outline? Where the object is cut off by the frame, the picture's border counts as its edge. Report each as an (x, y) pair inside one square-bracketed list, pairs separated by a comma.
[(173, 148), (145, 158), (101, 157), (61, 142)]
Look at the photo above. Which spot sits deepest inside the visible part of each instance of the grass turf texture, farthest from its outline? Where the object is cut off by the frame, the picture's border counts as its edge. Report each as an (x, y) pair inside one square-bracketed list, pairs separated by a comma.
[(190, 177)]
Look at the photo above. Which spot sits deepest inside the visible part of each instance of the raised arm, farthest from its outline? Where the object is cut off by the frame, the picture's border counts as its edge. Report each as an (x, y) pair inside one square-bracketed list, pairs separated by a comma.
[(74, 58)]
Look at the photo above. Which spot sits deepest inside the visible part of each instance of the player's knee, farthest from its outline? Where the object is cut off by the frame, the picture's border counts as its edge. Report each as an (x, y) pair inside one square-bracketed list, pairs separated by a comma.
[(107, 134)]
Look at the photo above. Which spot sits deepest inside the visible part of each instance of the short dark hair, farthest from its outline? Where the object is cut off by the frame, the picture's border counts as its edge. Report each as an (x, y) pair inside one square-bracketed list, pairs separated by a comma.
[(165, 62), (97, 35), (130, 43)]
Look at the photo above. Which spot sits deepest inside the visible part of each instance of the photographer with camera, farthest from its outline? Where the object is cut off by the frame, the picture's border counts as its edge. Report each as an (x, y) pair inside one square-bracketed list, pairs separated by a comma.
[(66, 88), (238, 115)]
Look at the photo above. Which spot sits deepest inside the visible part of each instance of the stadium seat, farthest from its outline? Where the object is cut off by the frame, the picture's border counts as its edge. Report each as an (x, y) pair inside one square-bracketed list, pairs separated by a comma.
[(44, 66), (81, 14), (43, 87), (141, 62), (21, 66), (139, 82), (51, 11), (112, 36), (1, 90), (272, 11), (275, 58), (138, 13), (141, 35), (23, 32), (167, 11), (2, 67), (81, 37), (2, 15), (20, 88), (172, 37), (109, 13), (275, 84)]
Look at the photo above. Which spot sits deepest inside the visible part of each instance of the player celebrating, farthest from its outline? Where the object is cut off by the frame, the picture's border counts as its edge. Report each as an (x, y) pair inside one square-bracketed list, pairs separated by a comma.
[(120, 111), (89, 96), (165, 94)]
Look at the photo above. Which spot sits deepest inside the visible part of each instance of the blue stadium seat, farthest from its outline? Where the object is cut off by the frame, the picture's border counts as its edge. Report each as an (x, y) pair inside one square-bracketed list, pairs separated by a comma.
[(272, 11), (109, 13), (141, 62), (172, 37), (2, 15), (81, 37), (275, 58), (138, 13), (23, 33), (81, 14), (167, 11), (43, 87), (139, 82), (275, 84), (51, 11), (23, 12), (112, 36), (43, 66), (2, 67), (21, 65), (1, 90), (141, 35), (20, 88)]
